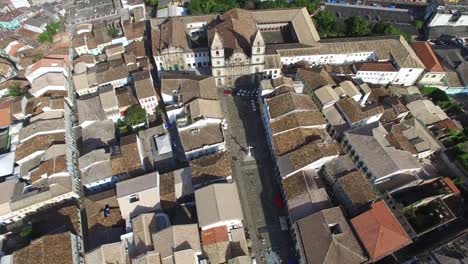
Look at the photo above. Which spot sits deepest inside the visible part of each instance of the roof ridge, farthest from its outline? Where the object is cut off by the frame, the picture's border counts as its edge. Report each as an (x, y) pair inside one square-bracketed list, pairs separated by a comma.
[(345, 247), (216, 201)]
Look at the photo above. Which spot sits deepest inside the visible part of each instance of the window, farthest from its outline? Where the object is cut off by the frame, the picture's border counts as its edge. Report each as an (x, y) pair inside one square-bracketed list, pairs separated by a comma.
[(258, 50), (133, 198), (196, 55), (217, 52), (218, 62)]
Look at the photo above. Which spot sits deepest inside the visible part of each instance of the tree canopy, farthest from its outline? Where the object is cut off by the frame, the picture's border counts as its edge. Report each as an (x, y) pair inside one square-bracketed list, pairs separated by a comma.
[(212, 6), (135, 115), (50, 31), (197, 7), (152, 2), (328, 26), (357, 26)]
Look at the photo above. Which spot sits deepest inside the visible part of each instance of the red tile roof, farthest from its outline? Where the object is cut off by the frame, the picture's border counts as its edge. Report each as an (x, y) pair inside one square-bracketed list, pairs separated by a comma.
[(447, 124), (427, 56), (379, 231), (452, 186), (375, 66), (214, 235), (5, 116)]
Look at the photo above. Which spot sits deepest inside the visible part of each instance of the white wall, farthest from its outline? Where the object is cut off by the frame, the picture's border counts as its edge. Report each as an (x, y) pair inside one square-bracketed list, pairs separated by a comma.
[(407, 76), (376, 77)]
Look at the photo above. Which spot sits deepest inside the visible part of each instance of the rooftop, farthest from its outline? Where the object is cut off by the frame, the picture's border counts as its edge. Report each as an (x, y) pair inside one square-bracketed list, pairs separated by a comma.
[(211, 168), (137, 184), (305, 194), (143, 85), (49, 249), (195, 138), (355, 113), (426, 111), (306, 155), (298, 119), (289, 102), (375, 66), (357, 188), (326, 237), (128, 161), (220, 203), (380, 231), (292, 139), (38, 143), (377, 154), (427, 56), (176, 238)]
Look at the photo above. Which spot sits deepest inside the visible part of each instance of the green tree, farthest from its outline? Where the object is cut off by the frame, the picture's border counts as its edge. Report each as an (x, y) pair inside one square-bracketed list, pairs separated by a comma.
[(418, 24), (325, 21), (50, 31), (15, 91), (135, 115), (152, 2), (385, 28), (272, 4), (113, 32), (357, 26), (311, 5)]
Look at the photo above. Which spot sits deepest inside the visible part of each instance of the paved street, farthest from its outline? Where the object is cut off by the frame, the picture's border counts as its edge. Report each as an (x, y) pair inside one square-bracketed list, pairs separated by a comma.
[(255, 180)]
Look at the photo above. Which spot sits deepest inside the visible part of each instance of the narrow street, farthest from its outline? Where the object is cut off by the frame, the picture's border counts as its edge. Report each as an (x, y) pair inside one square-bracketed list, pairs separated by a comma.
[(255, 180)]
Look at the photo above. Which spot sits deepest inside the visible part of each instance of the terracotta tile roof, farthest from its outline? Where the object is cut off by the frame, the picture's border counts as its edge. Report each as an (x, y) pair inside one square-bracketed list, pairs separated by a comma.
[(375, 66), (5, 115), (38, 143), (427, 56), (212, 167), (314, 78), (46, 62), (298, 119), (236, 29), (125, 98), (379, 231), (198, 137), (111, 71), (285, 103), (447, 124), (128, 161), (134, 30), (94, 214), (49, 167), (214, 235), (170, 33), (295, 138), (143, 84), (310, 153), (136, 48), (357, 188), (49, 249), (354, 112), (321, 243), (451, 185)]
